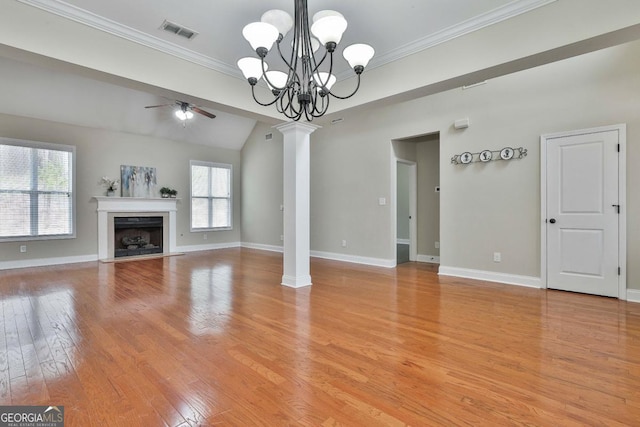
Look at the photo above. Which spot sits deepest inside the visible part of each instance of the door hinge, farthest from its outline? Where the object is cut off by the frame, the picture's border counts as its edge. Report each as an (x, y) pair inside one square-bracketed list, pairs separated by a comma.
[(617, 208), (618, 148), (619, 271)]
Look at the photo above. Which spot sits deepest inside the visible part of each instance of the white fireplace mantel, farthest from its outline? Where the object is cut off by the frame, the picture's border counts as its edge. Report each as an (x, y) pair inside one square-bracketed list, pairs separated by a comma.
[(108, 205)]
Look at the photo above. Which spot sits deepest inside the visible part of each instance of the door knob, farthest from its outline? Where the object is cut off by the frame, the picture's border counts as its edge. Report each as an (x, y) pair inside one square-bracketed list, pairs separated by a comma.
[(552, 220)]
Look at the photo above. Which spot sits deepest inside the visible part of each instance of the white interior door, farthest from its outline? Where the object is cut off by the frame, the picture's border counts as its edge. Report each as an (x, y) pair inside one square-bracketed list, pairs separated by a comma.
[(582, 218)]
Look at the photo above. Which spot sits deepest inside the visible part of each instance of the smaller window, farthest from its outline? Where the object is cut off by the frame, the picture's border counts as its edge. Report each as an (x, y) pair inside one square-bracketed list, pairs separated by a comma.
[(211, 203)]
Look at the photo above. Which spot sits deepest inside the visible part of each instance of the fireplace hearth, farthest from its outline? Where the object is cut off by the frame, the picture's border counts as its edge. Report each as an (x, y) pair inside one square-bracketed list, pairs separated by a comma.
[(137, 235)]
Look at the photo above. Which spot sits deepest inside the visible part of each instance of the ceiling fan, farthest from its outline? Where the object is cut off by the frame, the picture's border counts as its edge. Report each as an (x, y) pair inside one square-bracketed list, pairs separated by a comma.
[(185, 110)]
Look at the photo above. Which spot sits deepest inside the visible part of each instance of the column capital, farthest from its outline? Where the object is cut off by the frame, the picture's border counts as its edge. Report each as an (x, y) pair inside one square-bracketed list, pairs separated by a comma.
[(292, 126)]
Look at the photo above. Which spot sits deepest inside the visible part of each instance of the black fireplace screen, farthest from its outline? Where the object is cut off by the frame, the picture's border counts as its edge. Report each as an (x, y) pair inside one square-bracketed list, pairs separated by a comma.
[(137, 235)]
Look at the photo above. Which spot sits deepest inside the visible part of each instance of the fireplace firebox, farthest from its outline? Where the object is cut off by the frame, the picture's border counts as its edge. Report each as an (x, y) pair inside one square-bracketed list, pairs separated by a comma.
[(137, 235)]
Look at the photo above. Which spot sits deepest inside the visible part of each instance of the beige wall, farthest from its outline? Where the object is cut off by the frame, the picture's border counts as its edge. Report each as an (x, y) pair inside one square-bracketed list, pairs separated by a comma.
[(262, 187), (485, 208), (100, 153)]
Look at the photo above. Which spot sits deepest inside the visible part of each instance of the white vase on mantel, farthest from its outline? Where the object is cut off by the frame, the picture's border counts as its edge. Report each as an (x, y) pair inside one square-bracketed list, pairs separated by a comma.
[(111, 193)]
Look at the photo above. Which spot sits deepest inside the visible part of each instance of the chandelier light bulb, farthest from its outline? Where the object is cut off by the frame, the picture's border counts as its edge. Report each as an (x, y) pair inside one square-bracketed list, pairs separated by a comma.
[(276, 80), (325, 13), (252, 68), (358, 55), (324, 80), (260, 35), (329, 29), (279, 19)]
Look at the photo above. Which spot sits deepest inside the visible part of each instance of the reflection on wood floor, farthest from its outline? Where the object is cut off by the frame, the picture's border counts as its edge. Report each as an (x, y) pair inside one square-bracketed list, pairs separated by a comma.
[(211, 338)]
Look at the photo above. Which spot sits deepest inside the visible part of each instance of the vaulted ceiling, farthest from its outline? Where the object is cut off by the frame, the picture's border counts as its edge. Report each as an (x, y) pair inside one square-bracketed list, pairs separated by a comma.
[(105, 60)]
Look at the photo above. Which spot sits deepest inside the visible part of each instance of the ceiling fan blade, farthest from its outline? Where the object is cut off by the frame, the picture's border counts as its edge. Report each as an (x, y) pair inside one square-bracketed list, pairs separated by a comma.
[(204, 113), (155, 106)]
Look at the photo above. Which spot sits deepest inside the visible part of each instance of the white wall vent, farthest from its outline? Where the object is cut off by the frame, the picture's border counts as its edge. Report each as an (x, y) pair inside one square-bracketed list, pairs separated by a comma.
[(178, 30), (268, 136)]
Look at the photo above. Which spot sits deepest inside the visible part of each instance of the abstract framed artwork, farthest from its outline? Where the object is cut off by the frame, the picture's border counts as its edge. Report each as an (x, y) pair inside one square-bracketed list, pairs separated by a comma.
[(138, 181)]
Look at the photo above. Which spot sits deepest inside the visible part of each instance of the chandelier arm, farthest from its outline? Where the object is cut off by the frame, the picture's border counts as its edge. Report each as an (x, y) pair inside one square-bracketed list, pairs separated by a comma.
[(289, 110), (350, 95), (318, 64), (324, 106), (253, 92)]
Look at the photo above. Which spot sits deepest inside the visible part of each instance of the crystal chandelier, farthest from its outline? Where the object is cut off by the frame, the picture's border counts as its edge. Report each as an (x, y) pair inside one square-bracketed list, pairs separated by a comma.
[(302, 89)]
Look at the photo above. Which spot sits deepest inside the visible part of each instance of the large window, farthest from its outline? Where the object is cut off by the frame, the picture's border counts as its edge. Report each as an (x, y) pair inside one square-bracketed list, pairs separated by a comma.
[(36, 190), (210, 196)]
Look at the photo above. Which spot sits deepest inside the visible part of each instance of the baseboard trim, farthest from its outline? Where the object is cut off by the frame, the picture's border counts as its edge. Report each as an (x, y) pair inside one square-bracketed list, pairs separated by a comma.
[(43, 262), (433, 259), (633, 295), (209, 247), (490, 276), (377, 262), (261, 247)]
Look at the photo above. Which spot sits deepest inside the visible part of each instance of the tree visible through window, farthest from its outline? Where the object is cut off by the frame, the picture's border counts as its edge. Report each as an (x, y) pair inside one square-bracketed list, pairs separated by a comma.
[(211, 203), (36, 190)]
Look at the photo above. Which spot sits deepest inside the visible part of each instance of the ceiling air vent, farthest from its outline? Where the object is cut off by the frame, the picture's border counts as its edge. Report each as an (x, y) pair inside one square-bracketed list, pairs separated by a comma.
[(178, 29)]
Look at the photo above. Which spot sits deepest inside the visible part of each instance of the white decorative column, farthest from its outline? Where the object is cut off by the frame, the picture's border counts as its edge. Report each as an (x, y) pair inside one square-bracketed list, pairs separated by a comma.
[(296, 272)]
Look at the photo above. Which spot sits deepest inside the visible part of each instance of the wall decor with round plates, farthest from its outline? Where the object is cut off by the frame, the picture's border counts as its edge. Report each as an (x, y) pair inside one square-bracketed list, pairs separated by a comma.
[(486, 156), (506, 153)]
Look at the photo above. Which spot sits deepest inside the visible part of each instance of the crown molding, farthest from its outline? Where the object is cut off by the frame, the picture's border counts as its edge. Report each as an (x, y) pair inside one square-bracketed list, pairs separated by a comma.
[(476, 23), (85, 17)]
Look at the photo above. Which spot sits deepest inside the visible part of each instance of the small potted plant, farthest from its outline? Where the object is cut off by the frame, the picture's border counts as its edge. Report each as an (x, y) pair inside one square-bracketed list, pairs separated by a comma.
[(173, 193), (165, 192), (111, 184)]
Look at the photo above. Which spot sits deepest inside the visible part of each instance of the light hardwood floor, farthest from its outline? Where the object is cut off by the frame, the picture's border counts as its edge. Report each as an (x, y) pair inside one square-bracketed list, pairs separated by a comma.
[(212, 339)]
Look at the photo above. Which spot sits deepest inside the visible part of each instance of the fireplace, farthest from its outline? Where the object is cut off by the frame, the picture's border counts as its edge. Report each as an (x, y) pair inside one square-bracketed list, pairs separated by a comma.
[(137, 235), (112, 208)]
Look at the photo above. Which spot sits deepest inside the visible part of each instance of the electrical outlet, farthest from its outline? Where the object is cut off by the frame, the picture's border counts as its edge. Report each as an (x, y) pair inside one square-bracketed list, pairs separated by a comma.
[(437, 245), (204, 236), (497, 257), (382, 201), (344, 243), (23, 248), (282, 237)]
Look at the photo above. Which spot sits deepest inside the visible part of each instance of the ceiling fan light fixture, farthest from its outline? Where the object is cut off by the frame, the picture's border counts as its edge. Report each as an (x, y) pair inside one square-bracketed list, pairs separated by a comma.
[(184, 115)]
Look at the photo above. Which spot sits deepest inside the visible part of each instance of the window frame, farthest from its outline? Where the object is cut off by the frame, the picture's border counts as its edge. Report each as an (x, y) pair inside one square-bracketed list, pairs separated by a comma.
[(210, 165), (73, 189)]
